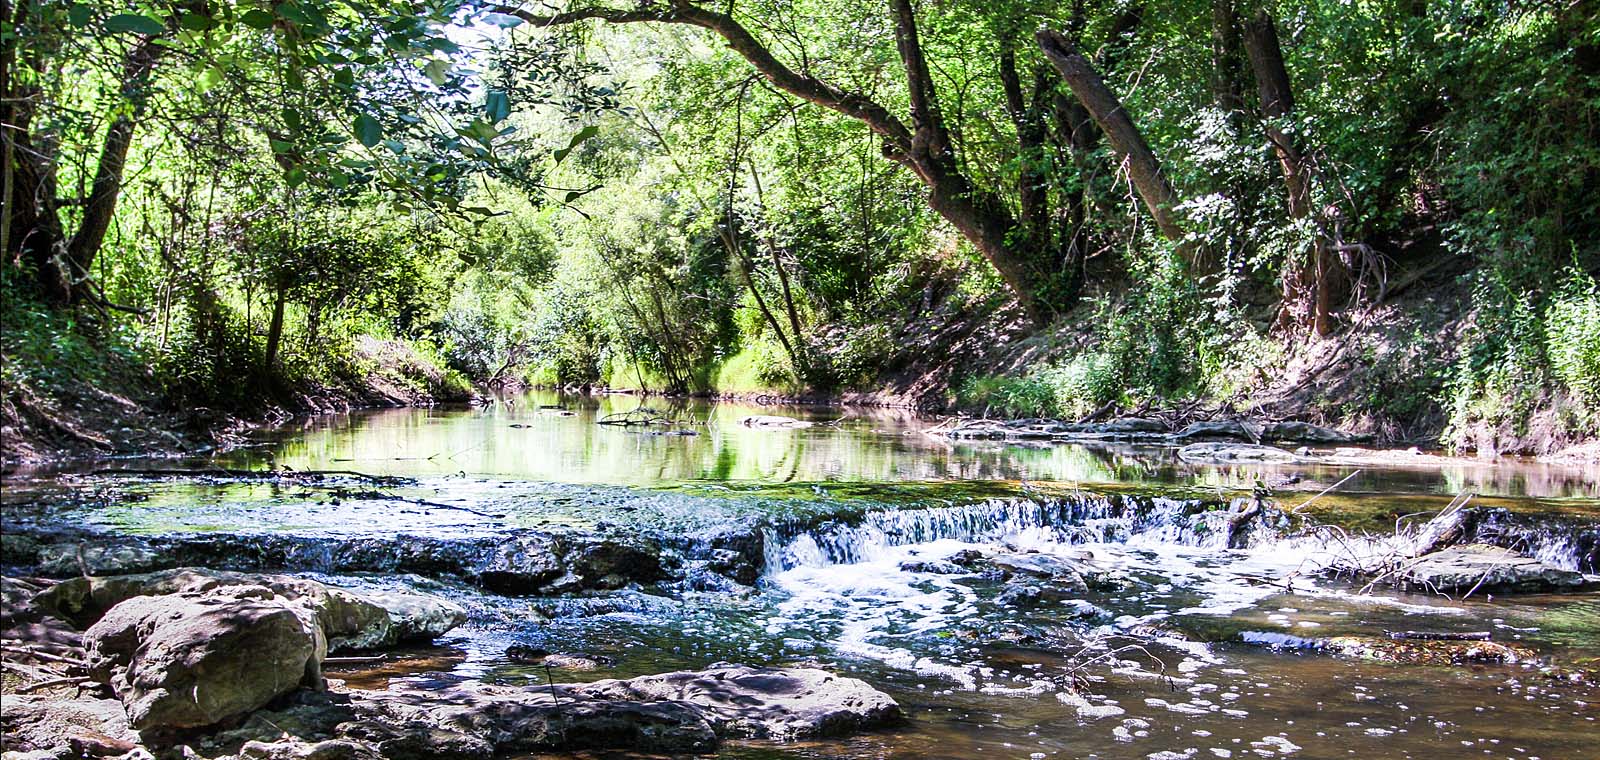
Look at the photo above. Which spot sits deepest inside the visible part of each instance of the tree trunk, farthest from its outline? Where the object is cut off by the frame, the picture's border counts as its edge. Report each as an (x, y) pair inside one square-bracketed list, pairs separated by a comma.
[(777, 262), (1226, 64), (31, 212), (1277, 102), (275, 329), (1126, 139)]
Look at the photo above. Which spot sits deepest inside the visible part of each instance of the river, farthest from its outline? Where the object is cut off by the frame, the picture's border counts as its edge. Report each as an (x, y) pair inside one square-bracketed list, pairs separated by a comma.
[(1153, 650)]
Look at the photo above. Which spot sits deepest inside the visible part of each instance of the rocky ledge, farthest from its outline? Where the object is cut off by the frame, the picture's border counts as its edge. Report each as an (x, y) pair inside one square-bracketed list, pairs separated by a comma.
[(203, 663), (682, 712)]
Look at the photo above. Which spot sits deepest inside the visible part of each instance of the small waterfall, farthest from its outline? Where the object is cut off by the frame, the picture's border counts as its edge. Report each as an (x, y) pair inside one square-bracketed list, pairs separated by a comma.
[(1566, 542), (1075, 519)]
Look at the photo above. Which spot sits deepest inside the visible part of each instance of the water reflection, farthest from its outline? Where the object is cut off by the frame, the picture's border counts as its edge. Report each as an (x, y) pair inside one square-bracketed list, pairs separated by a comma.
[(550, 437)]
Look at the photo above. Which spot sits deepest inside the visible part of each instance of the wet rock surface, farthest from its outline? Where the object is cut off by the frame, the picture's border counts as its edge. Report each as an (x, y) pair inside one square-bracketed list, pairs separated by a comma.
[(1400, 651), (1485, 568), (520, 562), (680, 712)]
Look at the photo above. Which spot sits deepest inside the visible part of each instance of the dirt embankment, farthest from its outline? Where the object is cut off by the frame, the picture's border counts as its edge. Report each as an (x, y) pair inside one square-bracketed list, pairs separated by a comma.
[(70, 418)]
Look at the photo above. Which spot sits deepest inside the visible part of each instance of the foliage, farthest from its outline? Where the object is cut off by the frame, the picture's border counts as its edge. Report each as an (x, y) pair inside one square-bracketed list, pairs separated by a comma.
[(595, 203)]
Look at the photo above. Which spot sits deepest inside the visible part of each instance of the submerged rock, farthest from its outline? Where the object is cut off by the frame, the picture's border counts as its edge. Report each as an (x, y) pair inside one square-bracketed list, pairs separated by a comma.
[(1401, 651), (192, 660), (1487, 569)]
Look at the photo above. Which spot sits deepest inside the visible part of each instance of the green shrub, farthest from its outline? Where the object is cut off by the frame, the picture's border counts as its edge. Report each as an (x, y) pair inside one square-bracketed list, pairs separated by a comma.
[(1572, 334)]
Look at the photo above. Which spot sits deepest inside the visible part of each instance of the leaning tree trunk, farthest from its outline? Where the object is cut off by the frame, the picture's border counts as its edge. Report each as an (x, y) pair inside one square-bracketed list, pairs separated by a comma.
[(1144, 169), (1313, 279)]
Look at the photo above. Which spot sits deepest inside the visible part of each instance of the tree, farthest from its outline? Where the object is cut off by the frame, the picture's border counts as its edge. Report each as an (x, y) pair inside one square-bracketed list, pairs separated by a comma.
[(1030, 244)]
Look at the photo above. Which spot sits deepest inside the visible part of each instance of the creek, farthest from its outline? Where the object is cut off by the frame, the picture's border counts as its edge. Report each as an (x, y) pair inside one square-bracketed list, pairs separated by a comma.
[(1108, 617)]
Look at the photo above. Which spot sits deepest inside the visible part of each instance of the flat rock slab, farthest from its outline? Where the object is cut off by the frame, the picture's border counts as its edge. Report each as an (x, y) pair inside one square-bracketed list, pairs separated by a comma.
[(681, 712), (1487, 569), (1236, 452), (71, 728)]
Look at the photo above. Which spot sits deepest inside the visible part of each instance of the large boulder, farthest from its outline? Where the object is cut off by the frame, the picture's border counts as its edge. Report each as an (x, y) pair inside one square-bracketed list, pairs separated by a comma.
[(1486, 569), (349, 619), (192, 660)]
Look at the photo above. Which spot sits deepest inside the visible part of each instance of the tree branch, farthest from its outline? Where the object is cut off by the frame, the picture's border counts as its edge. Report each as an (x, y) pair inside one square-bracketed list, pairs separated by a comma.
[(741, 41)]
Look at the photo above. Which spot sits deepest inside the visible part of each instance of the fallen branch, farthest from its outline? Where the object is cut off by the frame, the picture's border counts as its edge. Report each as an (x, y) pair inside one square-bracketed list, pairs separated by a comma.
[(1323, 493), (68, 681)]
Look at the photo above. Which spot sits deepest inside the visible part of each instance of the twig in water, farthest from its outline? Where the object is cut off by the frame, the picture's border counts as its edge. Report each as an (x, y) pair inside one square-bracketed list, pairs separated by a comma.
[(1323, 492), (550, 677)]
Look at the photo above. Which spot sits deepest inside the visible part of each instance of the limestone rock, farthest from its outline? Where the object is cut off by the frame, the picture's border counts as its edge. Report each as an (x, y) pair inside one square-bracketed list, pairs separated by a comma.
[(766, 703), (1487, 569), (192, 660), (349, 620), (1235, 452), (71, 728)]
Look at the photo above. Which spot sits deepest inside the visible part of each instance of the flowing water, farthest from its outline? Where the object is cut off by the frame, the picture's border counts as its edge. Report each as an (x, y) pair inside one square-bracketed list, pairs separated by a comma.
[(1127, 628)]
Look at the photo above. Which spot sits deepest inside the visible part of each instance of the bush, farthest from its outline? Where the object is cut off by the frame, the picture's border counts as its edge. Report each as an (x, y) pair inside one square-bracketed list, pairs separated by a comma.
[(1572, 335)]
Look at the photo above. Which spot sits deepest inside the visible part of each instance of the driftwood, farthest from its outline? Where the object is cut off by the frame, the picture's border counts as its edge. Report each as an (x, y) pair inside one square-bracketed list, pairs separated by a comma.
[(641, 417)]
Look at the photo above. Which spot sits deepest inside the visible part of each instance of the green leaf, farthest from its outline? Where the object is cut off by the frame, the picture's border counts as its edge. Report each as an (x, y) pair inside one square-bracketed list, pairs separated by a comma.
[(255, 18), (208, 79), (395, 146), (78, 15), (295, 177), (577, 139), (292, 12), (135, 24), (368, 130), (195, 22), (291, 119), (437, 70), (497, 105)]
